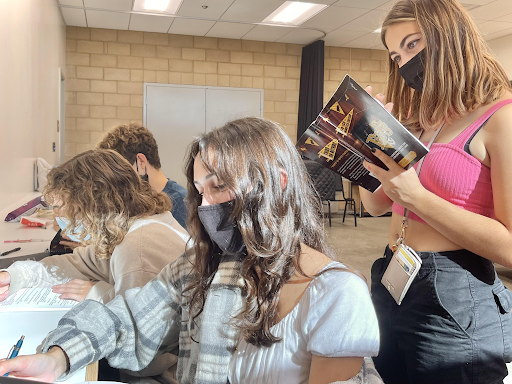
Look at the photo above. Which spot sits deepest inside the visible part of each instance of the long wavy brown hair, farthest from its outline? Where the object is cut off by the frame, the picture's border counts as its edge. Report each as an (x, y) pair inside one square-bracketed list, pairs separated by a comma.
[(460, 73), (248, 155), (99, 190)]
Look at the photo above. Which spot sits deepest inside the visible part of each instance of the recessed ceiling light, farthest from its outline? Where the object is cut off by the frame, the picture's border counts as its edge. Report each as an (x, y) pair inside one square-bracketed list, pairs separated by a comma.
[(293, 13), (156, 5), (160, 6)]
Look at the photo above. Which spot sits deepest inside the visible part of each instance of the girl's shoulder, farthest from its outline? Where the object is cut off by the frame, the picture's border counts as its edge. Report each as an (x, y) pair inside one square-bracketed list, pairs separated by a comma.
[(336, 278), (157, 227), (500, 118), (312, 261), (338, 302)]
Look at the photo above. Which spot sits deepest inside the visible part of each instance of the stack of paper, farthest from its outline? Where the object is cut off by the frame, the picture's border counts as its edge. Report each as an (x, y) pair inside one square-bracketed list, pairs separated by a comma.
[(36, 299)]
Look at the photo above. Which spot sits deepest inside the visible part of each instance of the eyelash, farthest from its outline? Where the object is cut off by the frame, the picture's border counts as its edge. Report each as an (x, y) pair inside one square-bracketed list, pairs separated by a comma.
[(219, 188), (412, 42), (397, 58)]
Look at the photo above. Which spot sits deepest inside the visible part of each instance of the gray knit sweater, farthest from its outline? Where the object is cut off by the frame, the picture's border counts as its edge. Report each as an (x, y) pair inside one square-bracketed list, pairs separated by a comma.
[(131, 331)]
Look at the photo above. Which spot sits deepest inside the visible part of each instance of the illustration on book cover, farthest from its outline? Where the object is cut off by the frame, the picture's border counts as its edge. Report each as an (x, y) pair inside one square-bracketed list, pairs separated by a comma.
[(346, 130)]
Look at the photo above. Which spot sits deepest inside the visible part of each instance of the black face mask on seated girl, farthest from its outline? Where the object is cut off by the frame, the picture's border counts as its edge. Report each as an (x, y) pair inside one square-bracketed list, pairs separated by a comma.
[(223, 232), (412, 71)]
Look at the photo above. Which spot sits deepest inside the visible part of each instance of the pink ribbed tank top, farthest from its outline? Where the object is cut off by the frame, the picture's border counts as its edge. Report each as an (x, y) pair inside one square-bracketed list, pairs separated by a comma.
[(452, 173)]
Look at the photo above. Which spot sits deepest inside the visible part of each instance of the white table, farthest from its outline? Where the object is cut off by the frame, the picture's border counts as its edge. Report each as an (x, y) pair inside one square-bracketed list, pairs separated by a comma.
[(34, 326), (14, 231), (42, 322)]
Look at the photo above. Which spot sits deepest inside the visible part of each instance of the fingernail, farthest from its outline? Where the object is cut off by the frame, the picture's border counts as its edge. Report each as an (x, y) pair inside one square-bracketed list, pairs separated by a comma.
[(374, 150)]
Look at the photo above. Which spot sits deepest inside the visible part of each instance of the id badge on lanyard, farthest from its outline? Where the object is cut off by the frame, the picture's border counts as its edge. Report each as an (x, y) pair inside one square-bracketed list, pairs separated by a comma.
[(405, 263)]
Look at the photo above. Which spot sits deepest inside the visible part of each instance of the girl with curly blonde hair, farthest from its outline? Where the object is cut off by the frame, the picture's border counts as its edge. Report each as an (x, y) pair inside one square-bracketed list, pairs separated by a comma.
[(126, 227)]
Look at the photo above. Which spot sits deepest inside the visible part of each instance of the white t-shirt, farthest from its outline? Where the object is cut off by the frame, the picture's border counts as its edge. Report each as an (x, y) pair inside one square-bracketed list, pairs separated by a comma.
[(334, 318)]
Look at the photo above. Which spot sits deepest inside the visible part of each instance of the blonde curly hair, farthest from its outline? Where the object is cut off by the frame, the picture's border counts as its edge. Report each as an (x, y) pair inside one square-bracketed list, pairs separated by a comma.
[(99, 190)]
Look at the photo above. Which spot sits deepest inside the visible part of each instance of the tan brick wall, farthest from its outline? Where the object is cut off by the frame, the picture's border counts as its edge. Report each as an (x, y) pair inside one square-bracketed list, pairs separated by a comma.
[(366, 66), (106, 70)]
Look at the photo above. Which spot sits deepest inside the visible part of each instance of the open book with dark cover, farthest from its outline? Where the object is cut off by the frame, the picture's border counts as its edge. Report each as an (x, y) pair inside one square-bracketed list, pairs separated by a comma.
[(348, 127)]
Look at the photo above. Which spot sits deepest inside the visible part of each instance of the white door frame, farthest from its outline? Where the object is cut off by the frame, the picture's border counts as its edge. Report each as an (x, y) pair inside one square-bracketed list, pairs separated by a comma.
[(62, 117)]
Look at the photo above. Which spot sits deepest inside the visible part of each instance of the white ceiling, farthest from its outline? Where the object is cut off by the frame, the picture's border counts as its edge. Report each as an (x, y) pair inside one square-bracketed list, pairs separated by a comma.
[(344, 23)]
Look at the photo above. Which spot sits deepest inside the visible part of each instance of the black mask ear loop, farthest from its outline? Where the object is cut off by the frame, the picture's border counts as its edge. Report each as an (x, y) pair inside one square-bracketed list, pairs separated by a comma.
[(143, 177)]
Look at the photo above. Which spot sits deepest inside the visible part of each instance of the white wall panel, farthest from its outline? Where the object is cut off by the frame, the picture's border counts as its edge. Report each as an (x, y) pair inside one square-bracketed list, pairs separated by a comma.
[(176, 114)]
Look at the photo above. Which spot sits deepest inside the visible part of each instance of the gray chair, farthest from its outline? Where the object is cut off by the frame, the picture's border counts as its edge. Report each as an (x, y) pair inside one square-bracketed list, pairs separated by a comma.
[(325, 183)]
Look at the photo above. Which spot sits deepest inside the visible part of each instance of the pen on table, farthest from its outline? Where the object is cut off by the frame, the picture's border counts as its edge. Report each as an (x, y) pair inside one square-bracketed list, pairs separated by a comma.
[(25, 241), (11, 251), (14, 351)]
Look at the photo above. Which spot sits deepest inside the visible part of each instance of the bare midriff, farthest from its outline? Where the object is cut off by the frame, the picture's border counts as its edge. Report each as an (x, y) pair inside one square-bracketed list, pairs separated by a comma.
[(419, 236)]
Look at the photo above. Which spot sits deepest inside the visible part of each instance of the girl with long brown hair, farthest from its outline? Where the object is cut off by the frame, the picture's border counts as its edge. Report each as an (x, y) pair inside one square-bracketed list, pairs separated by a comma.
[(454, 324), (129, 233), (256, 300)]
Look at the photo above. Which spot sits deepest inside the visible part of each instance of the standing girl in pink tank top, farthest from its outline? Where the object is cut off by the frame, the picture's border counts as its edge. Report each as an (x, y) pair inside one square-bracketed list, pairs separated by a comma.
[(454, 324)]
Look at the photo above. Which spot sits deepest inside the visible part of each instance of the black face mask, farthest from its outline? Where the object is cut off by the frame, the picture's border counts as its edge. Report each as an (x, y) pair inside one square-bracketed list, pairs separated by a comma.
[(412, 71), (222, 231)]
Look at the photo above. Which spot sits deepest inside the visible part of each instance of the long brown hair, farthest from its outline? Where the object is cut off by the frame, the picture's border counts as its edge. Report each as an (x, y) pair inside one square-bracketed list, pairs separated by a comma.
[(100, 190), (248, 155), (460, 72)]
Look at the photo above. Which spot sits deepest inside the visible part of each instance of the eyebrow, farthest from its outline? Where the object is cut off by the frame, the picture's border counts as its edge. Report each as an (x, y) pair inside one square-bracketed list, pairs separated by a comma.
[(402, 43), (204, 178)]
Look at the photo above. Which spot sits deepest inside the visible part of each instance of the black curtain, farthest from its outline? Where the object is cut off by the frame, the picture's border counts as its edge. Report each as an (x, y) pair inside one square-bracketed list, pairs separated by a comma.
[(311, 85)]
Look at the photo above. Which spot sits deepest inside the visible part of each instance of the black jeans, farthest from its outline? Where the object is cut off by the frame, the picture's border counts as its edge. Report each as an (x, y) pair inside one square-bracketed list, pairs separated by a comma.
[(453, 326)]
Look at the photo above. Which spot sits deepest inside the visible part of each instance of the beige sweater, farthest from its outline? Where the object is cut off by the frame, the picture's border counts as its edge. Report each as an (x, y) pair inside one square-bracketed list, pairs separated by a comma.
[(145, 250)]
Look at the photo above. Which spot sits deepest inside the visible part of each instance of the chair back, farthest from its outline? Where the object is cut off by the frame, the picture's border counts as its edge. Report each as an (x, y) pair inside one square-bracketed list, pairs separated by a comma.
[(323, 179)]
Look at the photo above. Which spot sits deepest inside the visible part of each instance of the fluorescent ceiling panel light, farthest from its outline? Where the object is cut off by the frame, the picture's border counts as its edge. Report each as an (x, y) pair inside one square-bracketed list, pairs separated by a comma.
[(157, 6), (293, 13)]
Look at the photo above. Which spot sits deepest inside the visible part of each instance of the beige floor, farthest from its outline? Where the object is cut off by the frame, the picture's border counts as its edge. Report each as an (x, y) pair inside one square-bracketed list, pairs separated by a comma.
[(360, 247)]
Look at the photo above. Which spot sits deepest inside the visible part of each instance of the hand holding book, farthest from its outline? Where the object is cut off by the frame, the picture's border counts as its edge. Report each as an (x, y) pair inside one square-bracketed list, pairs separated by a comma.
[(380, 98), (400, 185), (349, 126)]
